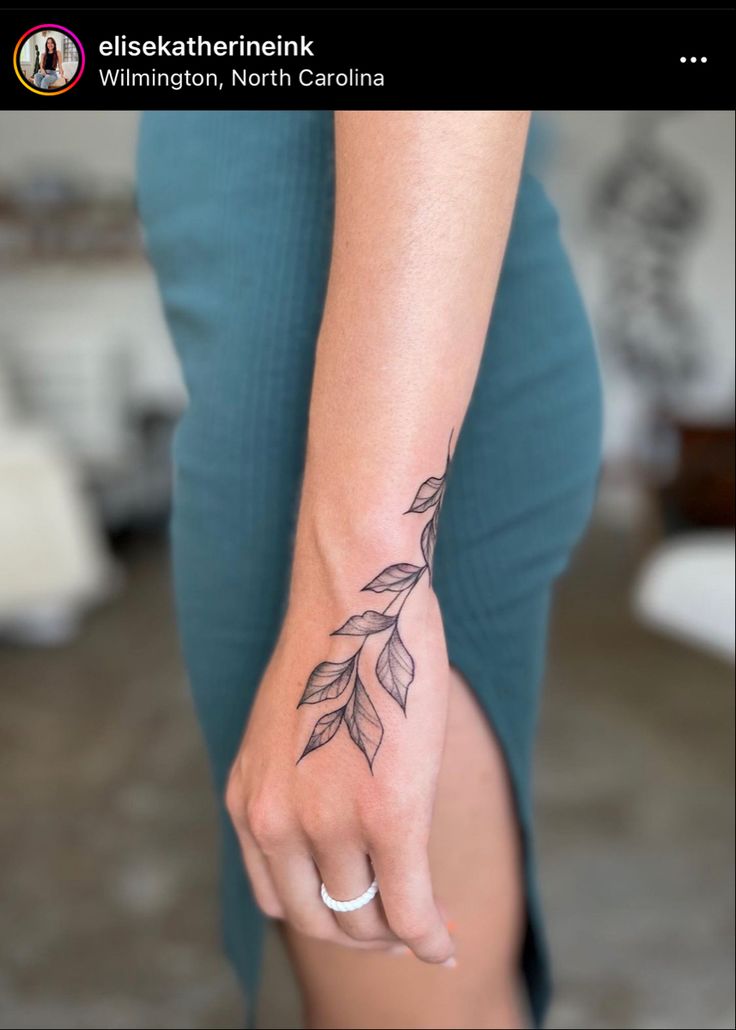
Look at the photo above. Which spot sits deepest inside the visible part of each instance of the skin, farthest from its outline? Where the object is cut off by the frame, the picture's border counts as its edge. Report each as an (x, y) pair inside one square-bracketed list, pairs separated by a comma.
[(424, 202)]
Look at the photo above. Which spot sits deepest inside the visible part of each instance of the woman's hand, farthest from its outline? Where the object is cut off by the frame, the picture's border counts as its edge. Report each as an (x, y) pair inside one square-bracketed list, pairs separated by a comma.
[(341, 788)]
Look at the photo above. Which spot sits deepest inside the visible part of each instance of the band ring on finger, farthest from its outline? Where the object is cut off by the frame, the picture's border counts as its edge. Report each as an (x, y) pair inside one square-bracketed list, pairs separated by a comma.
[(353, 904)]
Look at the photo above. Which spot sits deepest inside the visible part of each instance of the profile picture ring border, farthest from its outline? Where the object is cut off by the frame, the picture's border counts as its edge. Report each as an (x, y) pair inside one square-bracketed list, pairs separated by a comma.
[(50, 28)]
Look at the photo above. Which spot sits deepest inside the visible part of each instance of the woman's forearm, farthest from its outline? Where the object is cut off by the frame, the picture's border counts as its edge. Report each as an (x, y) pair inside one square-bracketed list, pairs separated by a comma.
[(424, 202)]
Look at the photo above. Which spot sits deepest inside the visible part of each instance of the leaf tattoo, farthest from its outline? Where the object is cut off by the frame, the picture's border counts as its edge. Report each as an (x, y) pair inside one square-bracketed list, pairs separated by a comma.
[(328, 680), (395, 668), (365, 624), (428, 494), (395, 577), (361, 719), (429, 539), (324, 729)]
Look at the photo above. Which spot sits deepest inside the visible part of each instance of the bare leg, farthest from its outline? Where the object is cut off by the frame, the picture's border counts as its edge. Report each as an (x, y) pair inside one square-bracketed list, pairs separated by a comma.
[(476, 858)]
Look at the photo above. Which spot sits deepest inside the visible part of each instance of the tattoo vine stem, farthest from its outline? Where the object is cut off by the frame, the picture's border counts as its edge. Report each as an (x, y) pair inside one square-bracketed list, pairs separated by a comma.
[(395, 666)]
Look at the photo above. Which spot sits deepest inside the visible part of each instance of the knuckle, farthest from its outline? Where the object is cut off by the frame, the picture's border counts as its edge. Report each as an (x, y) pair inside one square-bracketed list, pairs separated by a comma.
[(379, 827), (268, 822), (324, 813), (269, 908), (412, 926), (321, 825), (397, 821)]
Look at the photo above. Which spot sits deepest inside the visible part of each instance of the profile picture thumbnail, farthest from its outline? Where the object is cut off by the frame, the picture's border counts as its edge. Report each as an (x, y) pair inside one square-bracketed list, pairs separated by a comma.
[(49, 59)]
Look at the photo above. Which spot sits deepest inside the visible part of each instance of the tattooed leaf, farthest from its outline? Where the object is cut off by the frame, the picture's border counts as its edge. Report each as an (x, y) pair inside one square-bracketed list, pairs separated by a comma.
[(324, 730), (429, 539), (362, 625), (327, 681), (395, 668), (428, 494), (361, 719), (395, 577)]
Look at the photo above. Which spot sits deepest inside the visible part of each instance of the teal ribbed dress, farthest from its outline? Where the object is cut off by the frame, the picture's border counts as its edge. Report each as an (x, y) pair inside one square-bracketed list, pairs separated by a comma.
[(236, 209)]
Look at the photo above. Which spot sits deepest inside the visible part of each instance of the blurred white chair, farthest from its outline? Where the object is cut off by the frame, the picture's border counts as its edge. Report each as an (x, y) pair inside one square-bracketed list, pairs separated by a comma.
[(53, 560), (686, 589)]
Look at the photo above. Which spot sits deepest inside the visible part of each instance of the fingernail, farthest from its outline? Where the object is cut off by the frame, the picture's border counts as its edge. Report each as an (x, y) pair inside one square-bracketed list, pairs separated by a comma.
[(449, 963), (398, 949)]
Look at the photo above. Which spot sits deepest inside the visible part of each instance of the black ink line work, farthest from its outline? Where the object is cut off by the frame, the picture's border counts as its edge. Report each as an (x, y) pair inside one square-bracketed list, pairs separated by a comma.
[(394, 666)]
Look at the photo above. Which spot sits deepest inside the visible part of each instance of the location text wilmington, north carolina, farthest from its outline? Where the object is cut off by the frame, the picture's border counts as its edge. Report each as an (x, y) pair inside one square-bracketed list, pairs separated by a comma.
[(244, 77)]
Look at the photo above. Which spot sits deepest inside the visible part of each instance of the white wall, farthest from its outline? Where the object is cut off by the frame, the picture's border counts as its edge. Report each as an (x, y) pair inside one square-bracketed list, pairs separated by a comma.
[(703, 141), (95, 143)]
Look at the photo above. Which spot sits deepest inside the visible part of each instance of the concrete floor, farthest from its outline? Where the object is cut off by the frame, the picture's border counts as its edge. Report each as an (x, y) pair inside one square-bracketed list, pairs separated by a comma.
[(106, 826)]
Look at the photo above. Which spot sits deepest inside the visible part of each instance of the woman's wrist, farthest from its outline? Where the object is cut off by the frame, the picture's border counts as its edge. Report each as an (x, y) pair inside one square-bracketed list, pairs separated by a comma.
[(364, 534), (341, 551)]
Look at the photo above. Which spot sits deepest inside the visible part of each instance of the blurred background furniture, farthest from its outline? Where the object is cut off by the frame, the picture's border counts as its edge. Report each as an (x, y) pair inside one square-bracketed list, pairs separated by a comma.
[(53, 559), (91, 393), (686, 589)]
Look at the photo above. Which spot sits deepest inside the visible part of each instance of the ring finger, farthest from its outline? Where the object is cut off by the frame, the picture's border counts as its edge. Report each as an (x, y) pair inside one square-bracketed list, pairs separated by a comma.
[(346, 875), (297, 883)]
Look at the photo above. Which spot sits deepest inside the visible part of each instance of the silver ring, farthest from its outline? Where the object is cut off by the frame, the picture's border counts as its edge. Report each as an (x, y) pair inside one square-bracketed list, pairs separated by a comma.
[(355, 903)]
